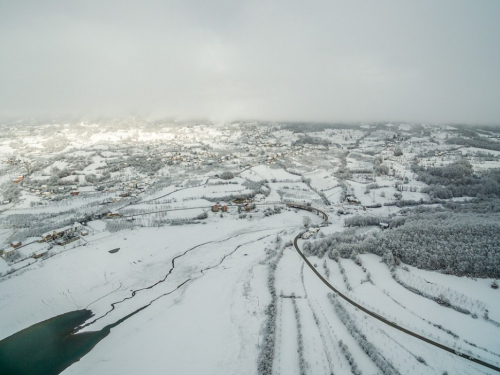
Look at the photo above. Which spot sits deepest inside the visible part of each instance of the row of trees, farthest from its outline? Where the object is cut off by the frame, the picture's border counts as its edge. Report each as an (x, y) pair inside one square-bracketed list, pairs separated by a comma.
[(266, 356), (443, 296), (350, 358), (300, 339), (478, 142), (385, 366)]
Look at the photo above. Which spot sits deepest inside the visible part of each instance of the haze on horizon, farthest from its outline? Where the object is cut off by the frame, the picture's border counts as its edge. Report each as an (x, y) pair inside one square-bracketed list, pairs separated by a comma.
[(314, 60)]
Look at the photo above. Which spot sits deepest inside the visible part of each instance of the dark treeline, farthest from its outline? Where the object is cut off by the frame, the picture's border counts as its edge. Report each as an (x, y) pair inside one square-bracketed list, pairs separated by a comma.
[(307, 127), (454, 243), (478, 142), (311, 140), (458, 180), (475, 205), (364, 221)]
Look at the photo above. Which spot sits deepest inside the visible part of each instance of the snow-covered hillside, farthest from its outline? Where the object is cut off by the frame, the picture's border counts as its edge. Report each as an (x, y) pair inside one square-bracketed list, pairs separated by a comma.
[(182, 239)]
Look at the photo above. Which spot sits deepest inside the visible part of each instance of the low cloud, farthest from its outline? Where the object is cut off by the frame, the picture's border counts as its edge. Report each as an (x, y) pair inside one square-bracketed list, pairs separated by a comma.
[(224, 60)]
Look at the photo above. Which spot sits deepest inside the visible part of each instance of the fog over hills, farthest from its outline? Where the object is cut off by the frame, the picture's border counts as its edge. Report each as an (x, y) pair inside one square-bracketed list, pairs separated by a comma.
[(224, 60)]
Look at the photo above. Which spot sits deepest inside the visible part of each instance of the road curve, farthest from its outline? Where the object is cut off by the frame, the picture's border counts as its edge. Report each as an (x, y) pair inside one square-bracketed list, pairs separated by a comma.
[(309, 208), (379, 317)]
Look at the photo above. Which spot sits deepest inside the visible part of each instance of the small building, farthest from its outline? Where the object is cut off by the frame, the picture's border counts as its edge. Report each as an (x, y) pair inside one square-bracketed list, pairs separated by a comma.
[(75, 193), (47, 237), (383, 225), (66, 231), (215, 208), (84, 232), (113, 214), (15, 245), (306, 235), (352, 201), (39, 253), (8, 252), (224, 208), (67, 240)]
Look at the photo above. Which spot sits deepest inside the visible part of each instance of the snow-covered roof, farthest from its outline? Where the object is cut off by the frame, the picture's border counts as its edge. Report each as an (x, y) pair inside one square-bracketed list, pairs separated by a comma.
[(40, 252)]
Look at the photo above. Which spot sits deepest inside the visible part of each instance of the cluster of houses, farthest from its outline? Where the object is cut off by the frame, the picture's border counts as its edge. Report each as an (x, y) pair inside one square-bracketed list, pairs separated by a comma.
[(175, 152), (179, 154), (198, 158), (46, 192), (65, 235), (61, 237), (295, 150), (132, 188), (264, 143)]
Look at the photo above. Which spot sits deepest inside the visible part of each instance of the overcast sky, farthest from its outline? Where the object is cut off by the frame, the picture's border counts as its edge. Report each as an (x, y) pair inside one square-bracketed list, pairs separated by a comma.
[(428, 61)]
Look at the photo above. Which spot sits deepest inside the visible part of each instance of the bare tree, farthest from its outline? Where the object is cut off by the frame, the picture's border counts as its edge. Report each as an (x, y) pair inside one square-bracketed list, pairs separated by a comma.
[(306, 220)]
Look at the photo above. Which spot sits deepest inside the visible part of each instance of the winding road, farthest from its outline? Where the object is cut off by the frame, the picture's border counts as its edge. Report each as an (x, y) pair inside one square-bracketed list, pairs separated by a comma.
[(377, 316)]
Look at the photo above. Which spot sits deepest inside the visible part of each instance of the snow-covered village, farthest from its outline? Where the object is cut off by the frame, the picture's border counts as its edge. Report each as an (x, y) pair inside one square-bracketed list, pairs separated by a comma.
[(249, 187), (255, 248)]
